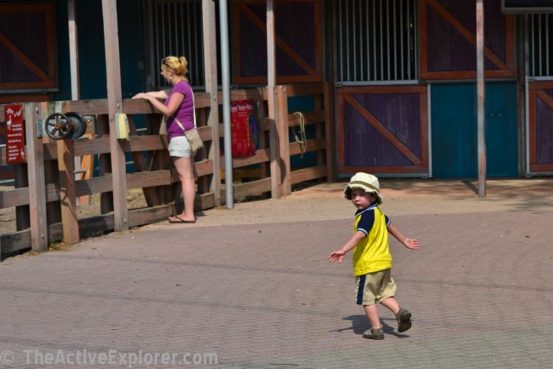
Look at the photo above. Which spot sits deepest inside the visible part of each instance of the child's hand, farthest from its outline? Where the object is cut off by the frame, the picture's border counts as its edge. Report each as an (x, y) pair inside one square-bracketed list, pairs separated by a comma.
[(337, 255), (411, 243)]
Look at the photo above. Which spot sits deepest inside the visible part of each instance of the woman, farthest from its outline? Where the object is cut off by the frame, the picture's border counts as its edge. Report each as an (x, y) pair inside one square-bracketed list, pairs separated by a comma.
[(178, 109)]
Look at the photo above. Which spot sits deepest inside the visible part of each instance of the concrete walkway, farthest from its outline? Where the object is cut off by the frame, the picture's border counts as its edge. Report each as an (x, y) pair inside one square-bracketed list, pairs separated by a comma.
[(252, 288)]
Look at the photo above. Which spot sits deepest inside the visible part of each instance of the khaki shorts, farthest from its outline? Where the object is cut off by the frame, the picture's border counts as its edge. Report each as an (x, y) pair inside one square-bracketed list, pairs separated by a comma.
[(374, 287), (179, 147)]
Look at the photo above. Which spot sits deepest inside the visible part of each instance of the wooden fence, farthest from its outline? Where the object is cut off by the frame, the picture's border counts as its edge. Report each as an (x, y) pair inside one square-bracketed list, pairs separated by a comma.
[(46, 193)]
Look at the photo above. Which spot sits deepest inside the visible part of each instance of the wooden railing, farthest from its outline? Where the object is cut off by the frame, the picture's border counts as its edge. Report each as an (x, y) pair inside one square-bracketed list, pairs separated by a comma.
[(54, 160)]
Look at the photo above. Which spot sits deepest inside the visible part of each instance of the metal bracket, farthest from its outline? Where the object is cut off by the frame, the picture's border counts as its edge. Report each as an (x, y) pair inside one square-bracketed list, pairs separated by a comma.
[(90, 121), (40, 128)]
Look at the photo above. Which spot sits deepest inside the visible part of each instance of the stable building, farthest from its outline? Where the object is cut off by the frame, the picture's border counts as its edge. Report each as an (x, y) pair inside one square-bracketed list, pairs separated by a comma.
[(401, 73)]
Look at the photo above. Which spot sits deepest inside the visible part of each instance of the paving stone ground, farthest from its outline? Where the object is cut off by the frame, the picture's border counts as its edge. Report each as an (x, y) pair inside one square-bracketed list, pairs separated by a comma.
[(252, 288)]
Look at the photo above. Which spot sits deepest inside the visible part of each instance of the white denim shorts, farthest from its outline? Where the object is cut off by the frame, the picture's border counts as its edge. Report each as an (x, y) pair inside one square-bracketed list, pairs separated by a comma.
[(179, 147)]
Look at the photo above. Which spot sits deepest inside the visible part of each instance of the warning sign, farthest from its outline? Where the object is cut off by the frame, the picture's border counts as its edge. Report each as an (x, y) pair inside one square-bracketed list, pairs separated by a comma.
[(15, 134), (243, 128)]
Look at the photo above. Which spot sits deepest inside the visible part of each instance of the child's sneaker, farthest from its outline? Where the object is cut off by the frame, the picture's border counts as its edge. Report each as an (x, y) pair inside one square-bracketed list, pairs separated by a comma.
[(374, 334), (403, 320)]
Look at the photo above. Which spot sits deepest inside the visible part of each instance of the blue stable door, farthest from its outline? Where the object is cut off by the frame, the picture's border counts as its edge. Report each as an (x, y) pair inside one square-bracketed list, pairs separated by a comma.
[(454, 130)]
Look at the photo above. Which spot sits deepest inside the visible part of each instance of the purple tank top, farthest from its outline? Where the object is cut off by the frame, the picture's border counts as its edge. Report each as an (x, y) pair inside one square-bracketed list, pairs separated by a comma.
[(185, 112)]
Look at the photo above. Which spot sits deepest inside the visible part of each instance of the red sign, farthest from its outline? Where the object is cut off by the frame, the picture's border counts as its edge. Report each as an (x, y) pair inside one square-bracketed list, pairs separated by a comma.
[(243, 142), (15, 134)]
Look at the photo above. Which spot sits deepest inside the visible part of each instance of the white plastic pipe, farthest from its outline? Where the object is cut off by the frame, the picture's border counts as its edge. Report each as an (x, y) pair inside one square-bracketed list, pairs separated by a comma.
[(225, 75)]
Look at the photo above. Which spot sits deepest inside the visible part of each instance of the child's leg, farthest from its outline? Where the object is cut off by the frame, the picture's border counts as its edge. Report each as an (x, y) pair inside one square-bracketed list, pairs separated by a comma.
[(392, 304), (403, 316), (372, 315)]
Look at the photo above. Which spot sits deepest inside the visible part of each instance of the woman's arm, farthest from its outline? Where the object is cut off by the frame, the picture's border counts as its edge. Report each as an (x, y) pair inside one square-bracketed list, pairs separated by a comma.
[(162, 94), (154, 98), (174, 102)]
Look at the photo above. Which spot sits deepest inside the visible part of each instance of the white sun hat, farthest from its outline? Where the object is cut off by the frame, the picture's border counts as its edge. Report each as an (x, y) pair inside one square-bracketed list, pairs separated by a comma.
[(366, 182)]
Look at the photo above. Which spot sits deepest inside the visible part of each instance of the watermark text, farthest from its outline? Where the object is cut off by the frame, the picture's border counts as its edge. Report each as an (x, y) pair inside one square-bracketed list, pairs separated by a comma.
[(109, 358)]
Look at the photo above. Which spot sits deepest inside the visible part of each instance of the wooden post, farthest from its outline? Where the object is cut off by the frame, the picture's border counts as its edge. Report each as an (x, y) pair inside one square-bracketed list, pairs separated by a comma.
[(68, 194), (522, 108), (274, 138), (284, 141), (274, 146), (115, 105), (261, 115), (37, 186), (51, 171), (210, 70), (481, 98)]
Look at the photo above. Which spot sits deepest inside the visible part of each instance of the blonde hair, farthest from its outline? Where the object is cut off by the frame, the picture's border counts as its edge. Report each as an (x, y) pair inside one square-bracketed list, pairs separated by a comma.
[(178, 65)]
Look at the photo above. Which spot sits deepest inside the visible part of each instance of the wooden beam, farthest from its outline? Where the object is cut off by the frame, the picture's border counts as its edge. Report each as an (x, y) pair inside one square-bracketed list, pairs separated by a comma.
[(318, 145), (252, 188), (308, 174), (274, 144), (100, 106), (68, 194), (3, 160), (315, 117), (284, 144), (260, 156), (262, 133), (14, 243), (305, 89), (17, 197), (274, 148), (35, 172), (211, 87), (481, 98), (115, 105)]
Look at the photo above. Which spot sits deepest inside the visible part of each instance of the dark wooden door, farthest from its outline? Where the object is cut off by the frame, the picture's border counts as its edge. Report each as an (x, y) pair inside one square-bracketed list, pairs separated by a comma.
[(27, 46), (382, 130), (454, 130), (540, 126)]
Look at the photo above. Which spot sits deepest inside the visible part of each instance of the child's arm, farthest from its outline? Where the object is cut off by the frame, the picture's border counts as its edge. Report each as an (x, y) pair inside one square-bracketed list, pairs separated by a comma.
[(410, 243), (338, 255)]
